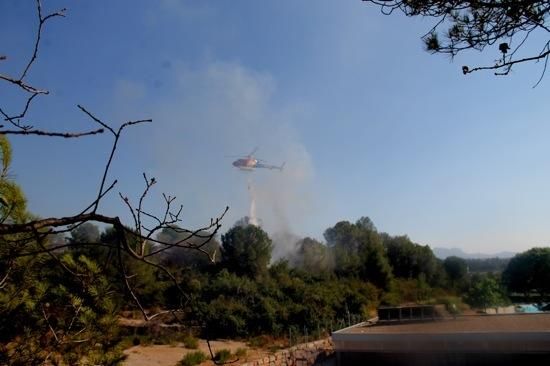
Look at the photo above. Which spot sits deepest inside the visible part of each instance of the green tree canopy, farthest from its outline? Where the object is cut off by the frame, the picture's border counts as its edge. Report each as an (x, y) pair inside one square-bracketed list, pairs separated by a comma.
[(13, 205), (486, 292), (312, 256), (456, 269), (246, 250), (529, 271), (184, 257), (410, 260), (343, 241), (357, 250)]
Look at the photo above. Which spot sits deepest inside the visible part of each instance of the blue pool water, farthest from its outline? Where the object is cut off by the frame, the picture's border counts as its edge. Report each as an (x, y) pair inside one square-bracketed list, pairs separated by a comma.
[(527, 308)]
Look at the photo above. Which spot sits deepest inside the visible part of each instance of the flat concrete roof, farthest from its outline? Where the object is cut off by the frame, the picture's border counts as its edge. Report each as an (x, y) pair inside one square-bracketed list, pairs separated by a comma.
[(507, 333), (469, 323)]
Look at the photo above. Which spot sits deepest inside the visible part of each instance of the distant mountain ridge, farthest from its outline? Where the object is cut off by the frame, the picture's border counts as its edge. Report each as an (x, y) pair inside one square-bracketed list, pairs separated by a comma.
[(443, 253)]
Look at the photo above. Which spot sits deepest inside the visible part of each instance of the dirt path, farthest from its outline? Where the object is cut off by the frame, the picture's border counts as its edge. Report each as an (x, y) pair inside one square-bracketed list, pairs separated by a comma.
[(167, 355)]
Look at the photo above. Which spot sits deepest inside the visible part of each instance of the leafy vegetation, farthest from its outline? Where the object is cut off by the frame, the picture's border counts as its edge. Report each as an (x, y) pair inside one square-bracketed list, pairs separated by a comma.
[(193, 358), (486, 292), (529, 272), (223, 356), (191, 342), (61, 295), (47, 315)]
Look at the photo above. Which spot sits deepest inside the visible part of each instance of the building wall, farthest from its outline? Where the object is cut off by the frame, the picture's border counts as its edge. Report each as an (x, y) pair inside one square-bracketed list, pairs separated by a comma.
[(306, 354), (440, 358)]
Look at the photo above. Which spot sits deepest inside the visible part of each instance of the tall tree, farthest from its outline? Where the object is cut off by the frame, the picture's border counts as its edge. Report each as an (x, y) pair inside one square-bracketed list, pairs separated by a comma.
[(358, 250), (477, 24), (85, 233), (410, 260), (312, 256), (181, 256), (246, 250), (343, 240), (529, 271), (485, 292), (456, 269)]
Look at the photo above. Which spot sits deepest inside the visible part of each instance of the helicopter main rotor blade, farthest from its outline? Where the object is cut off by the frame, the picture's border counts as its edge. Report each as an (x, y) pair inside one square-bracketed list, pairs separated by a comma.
[(253, 151)]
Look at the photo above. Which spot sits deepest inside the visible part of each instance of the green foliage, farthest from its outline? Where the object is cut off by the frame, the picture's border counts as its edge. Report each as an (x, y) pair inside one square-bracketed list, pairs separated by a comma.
[(358, 251), (408, 291), (59, 308), (342, 238), (144, 279), (62, 309), (182, 257), (12, 200), (191, 342), (64, 317), (5, 155), (477, 265), (193, 358), (231, 305), (456, 269), (432, 42), (240, 296), (246, 250), (486, 292), (453, 304), (222, 356), (313, 257), (84, 233), (529, 271), (375, 267), (241, 352), (410, 260), (259, 341)]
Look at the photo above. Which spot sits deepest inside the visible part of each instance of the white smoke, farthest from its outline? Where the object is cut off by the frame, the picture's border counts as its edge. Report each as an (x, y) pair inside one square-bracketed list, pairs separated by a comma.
[(225, 109)]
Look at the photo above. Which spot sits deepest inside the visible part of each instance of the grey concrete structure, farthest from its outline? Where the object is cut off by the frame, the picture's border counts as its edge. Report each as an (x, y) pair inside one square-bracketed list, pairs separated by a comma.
[(464, 340)]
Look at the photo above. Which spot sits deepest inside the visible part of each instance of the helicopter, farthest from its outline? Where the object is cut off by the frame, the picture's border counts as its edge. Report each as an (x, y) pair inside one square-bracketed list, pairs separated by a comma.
[(250, 163)]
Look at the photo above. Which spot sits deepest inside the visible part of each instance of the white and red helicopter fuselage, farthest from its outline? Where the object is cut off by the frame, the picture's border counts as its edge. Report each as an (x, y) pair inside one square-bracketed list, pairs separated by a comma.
[(250, 163)]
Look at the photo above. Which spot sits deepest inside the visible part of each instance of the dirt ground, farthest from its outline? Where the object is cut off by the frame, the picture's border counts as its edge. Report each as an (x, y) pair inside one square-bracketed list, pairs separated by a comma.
[(169, 355)]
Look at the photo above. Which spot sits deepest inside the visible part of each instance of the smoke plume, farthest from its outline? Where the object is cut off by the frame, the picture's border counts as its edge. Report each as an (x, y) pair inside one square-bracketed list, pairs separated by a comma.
[(202, 115)]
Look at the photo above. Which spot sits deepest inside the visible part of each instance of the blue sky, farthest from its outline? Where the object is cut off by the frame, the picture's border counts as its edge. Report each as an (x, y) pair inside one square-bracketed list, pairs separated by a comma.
[(368, 123)]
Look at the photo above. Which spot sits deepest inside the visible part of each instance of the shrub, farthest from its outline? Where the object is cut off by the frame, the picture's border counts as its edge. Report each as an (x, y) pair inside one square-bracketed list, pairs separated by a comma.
[(259, 342), (240, 352), (191, 342), (453, 304), (193, 358), (222, 356)]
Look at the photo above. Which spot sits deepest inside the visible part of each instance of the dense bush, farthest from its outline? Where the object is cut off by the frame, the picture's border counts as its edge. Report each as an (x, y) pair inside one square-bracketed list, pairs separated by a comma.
[(193, 358)]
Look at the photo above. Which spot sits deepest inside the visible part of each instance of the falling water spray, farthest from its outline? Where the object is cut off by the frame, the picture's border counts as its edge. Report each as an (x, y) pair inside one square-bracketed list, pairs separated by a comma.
[(253, 220)]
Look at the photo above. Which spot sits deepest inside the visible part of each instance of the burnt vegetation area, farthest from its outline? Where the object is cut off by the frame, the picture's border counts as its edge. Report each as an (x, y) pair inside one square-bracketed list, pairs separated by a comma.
[(65, 281)]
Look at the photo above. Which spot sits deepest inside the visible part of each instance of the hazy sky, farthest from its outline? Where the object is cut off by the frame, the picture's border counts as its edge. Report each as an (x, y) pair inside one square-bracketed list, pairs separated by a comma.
[(368, 123)]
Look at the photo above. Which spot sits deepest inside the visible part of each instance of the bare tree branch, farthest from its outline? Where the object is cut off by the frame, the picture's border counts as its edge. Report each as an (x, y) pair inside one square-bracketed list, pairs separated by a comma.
[(113, 148), (41, 21), (506, 65), (476, 24), (66, 135), (20, 83), (30, 238), (22, 114)]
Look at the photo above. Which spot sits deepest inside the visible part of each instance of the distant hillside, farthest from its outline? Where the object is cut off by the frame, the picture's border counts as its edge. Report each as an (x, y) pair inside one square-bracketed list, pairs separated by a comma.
[(443, 253)]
